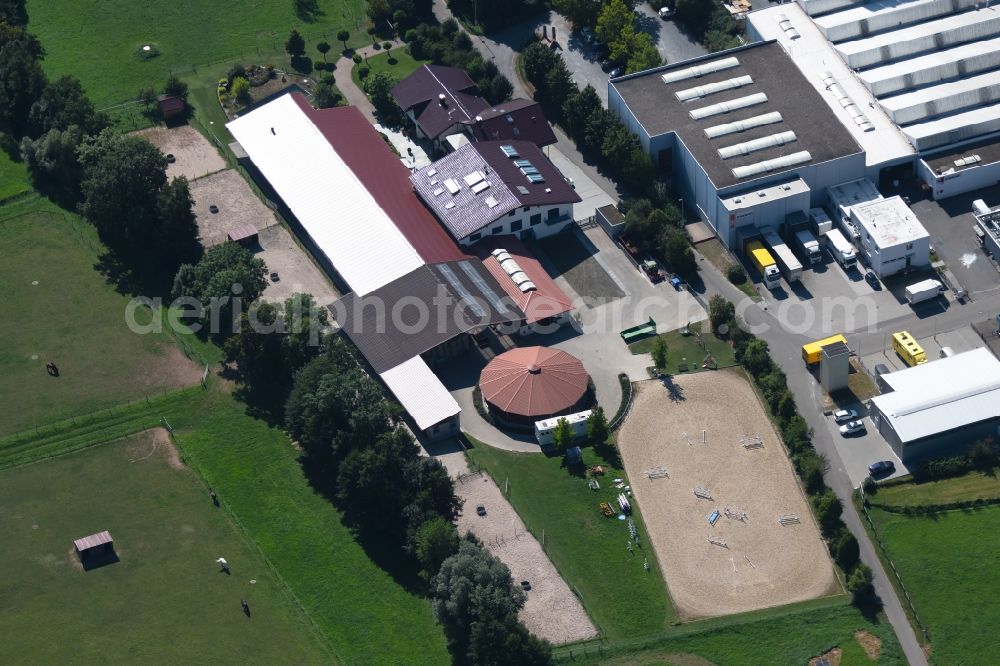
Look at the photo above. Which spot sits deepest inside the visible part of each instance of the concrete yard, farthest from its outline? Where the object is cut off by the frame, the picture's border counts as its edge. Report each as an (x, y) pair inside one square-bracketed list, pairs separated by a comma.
[(194, 155), (237, 203), (762, 563)]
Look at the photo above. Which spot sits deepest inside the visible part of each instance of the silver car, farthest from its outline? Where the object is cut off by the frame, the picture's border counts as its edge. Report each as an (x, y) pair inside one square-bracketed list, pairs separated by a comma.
[(844, 415), (852, 427)]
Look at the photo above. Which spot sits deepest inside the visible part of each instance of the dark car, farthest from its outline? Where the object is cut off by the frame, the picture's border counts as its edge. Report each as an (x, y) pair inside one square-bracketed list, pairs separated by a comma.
[(616, 71), (872, 279), (881, 468), (606, 65)]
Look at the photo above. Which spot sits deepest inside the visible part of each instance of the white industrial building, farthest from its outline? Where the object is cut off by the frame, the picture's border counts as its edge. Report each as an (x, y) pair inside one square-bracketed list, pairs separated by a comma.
[(925, 74), (988, 228), (747, 136), (941, 407), (891, 238)]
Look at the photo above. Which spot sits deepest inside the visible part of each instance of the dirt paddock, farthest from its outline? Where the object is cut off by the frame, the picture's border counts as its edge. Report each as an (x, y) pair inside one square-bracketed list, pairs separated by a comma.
[(237, 204), (194, 155), (551, 611), (761, 563)]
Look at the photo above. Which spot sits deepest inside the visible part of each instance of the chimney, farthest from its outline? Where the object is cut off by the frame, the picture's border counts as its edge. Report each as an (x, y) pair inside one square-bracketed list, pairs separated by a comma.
[(442, 102)]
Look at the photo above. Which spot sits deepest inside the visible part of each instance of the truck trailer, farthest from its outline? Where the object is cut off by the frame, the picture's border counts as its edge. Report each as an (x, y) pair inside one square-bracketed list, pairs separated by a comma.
[(764, 263), (789, 265), (923, 291), (842, 251), (809, 246), (812, 352), (821, 222)]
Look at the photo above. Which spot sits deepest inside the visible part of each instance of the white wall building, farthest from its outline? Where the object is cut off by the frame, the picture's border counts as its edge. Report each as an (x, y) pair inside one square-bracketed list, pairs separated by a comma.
[(892, 239)]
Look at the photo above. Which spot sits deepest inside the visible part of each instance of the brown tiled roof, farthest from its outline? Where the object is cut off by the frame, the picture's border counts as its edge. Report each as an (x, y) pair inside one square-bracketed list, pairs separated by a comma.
[(518, 119), (421, 91), (547, 300), (534, 382)]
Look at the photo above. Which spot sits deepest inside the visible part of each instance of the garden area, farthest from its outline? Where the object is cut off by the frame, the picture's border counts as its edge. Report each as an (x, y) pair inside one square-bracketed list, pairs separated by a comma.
[(397, 63), (621, 597), (687, 347)]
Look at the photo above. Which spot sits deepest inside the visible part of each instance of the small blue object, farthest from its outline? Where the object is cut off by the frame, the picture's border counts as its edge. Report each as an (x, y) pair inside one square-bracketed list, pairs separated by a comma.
[(714, 517), (621, 516)]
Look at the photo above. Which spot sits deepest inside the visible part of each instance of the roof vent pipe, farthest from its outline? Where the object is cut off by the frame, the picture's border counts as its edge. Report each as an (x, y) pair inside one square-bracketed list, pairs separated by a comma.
[(441, 101)]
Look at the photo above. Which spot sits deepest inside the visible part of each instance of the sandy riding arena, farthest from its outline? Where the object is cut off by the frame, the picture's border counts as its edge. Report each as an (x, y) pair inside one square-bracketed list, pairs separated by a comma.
[(748, 559), (194, 155)]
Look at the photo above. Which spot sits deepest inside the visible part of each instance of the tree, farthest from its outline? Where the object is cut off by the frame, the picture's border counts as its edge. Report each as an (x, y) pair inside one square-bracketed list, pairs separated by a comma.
[(325, 95), (720, 311), (736, 274), (828, 511), (343, 36), (241, 90), (379, 90), (374, 483), (63, 104), (324, 48), (642, 54), (784, 409), (147, 96), (577, 110), (500, 90), (810, 466), (557, 87), (615, 25), (53, 165), (660, 353), (22, 82), (579, 12), (599, 124), (796, 433), (226, 280), (678, 253), (756, 358), (497, 641), (598, 429), (13, 12), (983, 455), (860, 584), (255, 348), (304, 322), (147, 223), (537, 60), (435, 541), (295, 46), (845, 550), (563, 436), (176, 88)]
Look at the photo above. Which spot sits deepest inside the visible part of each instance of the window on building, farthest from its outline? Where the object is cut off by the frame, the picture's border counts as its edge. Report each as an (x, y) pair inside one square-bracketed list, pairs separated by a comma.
[(553, 213), (525, 210), (516, 226), (497, 230), (474, 237), (536, 219)]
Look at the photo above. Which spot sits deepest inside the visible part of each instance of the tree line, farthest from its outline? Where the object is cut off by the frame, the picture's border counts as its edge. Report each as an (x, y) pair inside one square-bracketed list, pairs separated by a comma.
[(755, 357)]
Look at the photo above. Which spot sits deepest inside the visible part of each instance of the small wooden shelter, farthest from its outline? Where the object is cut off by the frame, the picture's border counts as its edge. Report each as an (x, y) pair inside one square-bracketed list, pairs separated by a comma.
[(245, 235), (94, 546)]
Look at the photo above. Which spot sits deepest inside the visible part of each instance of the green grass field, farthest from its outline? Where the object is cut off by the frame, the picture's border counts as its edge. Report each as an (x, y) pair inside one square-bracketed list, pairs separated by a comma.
[(950, 565), (971, 486), (587, 548), (165, 601), (73, 318), (401, 66), (686, 349), (777, 636), (98, 41), (13, 177)]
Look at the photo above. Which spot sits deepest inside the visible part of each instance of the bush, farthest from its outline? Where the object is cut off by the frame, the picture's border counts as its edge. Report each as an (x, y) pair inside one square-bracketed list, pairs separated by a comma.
[(796, 434), (236, 71), (845, 550), (387, 45), (357, 59), (828, 511), (241, 90), (363, 72), (736, 274), (860, 584), (940, 468), (720, 311), (810, 466)]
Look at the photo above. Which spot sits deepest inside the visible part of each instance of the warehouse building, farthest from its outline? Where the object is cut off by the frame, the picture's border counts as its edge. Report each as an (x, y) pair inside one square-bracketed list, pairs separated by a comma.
[(738, 122), (924, 74), (941, 407), (891, 238), (988, 228)]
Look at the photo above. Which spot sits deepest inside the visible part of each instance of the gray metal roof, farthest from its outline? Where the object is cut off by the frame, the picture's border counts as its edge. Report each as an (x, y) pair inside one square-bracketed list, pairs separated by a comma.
[(942, 395)]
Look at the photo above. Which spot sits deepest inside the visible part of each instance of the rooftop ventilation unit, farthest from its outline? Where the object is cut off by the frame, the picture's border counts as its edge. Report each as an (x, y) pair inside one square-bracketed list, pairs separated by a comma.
[(438, 192), (509, 151), (432, 172), (492, 202), (726, 107), (480, 186), (525, 287), (742, 125), (473, 178), (700, 70), (969, 160), (712, 88), (452, 185), (786, 25), (753, 146), (856, 114), (771, 165), (450, 205)]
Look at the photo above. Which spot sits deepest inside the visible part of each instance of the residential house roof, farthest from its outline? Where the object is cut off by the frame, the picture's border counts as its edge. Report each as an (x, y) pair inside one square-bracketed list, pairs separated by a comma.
[(518, 119), (422, 91)]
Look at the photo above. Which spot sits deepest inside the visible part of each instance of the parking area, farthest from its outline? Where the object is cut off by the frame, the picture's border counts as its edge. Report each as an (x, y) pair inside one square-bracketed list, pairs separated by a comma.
[(591, 195), (235, 203), (297, 273), (194, 155), (857, 451)]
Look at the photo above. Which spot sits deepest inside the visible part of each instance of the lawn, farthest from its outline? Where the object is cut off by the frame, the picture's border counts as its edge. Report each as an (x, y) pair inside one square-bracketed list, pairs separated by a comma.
[(790, 635), (97, 41), (690, 349), (971, 486), (713, 250), (950, 566), (165, 600), (59, 309), (588, 549), (400, 66), (13, 177)]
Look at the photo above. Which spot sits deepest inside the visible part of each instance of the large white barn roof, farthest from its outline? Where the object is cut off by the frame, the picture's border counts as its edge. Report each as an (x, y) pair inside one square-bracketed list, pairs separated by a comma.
[(942, 395), (334, 207), (420, 392)]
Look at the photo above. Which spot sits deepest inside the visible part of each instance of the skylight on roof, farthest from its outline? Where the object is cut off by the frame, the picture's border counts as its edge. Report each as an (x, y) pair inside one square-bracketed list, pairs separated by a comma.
[(492, 202), (509, 151), (535, 178), (452, 186), (522, 189), (480, 186), (473, 178)]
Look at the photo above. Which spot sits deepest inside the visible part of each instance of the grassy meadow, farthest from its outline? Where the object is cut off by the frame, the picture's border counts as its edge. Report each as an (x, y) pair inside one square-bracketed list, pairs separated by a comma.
[(397, 62)]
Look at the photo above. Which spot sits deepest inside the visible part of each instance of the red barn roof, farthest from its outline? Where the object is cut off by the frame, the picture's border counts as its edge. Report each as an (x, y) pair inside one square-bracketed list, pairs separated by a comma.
[(534, 382), (546, 300), (384, 176)]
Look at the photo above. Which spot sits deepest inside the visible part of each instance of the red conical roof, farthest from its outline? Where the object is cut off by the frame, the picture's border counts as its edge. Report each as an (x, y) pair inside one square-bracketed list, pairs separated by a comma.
[(533, 381)]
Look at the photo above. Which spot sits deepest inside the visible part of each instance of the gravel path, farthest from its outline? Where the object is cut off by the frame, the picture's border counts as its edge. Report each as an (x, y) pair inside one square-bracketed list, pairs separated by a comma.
[(551, 611), (789, 563)]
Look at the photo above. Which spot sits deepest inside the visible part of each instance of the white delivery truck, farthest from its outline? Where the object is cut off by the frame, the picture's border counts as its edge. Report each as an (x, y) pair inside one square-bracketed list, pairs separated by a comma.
[(789, 265), (809, 246), (842, 251), (923, 291)]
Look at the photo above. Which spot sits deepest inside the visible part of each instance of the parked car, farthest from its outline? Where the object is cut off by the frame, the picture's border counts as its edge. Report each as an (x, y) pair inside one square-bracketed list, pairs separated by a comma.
[(852, 428), (666, 12), (615, 72), (872, 279), (881, 468), (606, 65), (844, 415)]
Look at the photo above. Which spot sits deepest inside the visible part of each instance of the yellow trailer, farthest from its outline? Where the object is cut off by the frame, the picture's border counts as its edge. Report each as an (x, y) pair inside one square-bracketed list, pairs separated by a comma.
[(813, 351)]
